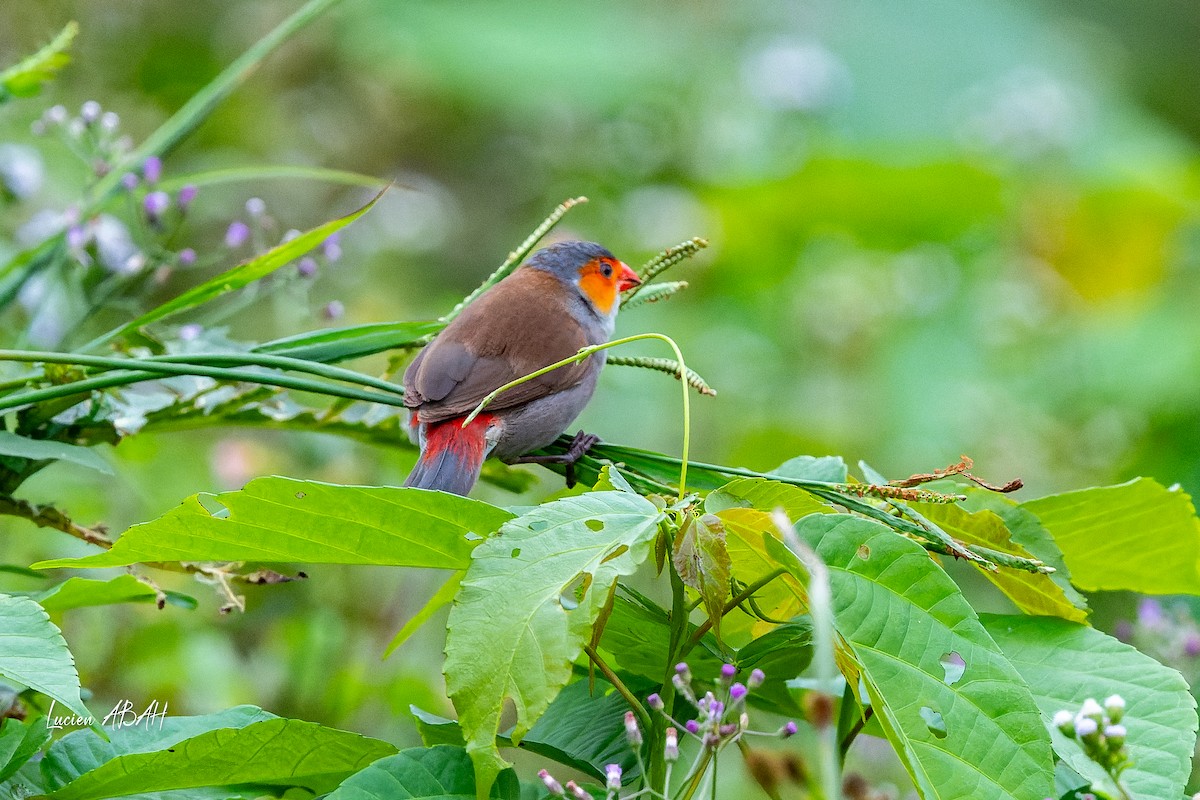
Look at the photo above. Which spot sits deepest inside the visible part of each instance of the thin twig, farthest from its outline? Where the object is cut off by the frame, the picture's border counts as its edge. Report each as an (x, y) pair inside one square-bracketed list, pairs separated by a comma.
[(47, 516), (642, 714)]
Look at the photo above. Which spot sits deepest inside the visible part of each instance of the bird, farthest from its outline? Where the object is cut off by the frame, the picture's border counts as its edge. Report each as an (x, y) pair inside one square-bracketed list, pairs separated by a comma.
[(563, 298)]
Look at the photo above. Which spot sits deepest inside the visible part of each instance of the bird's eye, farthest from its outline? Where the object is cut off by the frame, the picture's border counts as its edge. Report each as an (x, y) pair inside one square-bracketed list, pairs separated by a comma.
[(606, 269)]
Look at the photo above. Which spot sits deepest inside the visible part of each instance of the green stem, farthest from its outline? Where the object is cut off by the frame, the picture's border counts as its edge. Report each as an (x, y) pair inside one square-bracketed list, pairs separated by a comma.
[(737, 600), (642, 714), (585, 352), (679, 626), (690, 788), (151, 370)]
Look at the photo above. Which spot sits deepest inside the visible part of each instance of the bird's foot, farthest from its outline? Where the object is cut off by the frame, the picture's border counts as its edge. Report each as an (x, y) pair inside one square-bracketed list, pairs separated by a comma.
[(575, 451)]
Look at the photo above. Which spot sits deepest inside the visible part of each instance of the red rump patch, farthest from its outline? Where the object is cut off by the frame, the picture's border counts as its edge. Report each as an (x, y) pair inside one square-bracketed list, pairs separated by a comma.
[(467, 445)]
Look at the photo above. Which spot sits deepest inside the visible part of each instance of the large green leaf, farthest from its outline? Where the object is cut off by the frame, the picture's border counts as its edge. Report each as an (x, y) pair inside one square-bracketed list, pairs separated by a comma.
[(781, 599), (81, 592), (423, 773), (18, 743), (278, 519), (765, 495), (1067, 663), (342, 344), (1136, 536), (637, 638), (584, 728), (1031, 592), (33, 653), (512, 633), (48, 450), (274, 751), (969, 733), (1026, 531)]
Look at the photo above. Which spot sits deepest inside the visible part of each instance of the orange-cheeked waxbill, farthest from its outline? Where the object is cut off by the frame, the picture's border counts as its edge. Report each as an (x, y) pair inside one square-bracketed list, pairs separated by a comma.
[(565, 297)]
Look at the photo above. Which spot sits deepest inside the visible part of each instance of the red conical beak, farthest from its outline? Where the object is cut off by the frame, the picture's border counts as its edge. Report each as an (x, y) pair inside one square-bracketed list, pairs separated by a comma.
[(627, 278)]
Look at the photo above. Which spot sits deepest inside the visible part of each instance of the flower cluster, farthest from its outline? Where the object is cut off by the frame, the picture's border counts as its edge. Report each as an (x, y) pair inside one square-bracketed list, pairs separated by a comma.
[(722, 716), (1099, 731), (93, 134)]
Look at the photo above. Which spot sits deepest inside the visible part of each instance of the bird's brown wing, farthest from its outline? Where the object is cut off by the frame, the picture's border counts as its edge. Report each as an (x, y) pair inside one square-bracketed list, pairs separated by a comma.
[(504, 335)]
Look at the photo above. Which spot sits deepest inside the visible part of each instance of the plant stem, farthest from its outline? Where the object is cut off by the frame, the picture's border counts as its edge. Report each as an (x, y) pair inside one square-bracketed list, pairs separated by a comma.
[(642, 714), (679, 625), (736, 601), (47, 516)]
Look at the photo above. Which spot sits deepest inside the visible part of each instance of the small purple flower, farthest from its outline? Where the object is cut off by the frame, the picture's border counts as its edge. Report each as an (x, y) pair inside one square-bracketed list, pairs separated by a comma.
[(331, 248), (756, 679), (737, 692), (612, 774), (152, 169), (554, 787), (236, 234), (334, 309), (77, 237), (655, 702), (681, 669), (186, 195), (190, 332), (90, 111), (56, 115), (156, 204), (1150, 613), (577, 791), (109, 121), (632, 733), (255, 206), (788, 730), (1191, 645), (727, 672), (129, 181), (307, 267), (671, 748), (1123, 630), (692, 726), (187, 257)]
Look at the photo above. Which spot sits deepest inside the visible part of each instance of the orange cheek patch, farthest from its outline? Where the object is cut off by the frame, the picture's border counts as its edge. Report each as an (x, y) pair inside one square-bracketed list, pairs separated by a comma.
[(600, 289)]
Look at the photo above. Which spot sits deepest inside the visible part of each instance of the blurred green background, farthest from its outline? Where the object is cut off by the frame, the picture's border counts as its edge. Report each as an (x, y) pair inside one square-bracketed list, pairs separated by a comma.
[(936, 228)]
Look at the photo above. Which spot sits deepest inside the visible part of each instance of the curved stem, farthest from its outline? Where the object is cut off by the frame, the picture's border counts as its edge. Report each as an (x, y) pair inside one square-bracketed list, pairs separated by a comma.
[(585, 352), (642, 714)]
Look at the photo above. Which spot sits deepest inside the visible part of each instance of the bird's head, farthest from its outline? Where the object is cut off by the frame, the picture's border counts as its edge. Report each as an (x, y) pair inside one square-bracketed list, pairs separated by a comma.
[(597, 274)]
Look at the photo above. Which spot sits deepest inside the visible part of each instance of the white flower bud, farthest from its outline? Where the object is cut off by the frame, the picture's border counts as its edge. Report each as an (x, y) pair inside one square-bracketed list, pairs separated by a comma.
[(1114, 705), (1086, 727), (1115, 734), (1092, 710), (1065, 721)]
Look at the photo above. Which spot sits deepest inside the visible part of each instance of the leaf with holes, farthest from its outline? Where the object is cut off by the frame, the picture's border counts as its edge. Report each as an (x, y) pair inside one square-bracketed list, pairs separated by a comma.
[(1031, 592), (703, 564), (903, 618), (1066, 663), (1136, 536), (284, 520), (527, 606), (33, 653), (433, 773)]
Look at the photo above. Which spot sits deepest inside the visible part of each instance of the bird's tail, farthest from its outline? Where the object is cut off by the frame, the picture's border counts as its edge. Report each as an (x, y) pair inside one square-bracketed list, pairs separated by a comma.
[(451, 455)]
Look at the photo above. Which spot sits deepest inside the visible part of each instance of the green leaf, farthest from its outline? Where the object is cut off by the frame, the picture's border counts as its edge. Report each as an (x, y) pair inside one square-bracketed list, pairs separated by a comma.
[(33, 653), (583, 728), (25, 78), (782, 654), (441, 598), (765, 495), (512, 635), (81, 592), (1136, 536), (275, 752), (781, 599), (1026, 531), (342, 344), (49, 450), (242, 275), (278, 519), (259, 173), (974, 734), (1066, 663), (1031, 592), (19, 741), (702, 562), (812, 468), (637, 638), (434, 773)]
